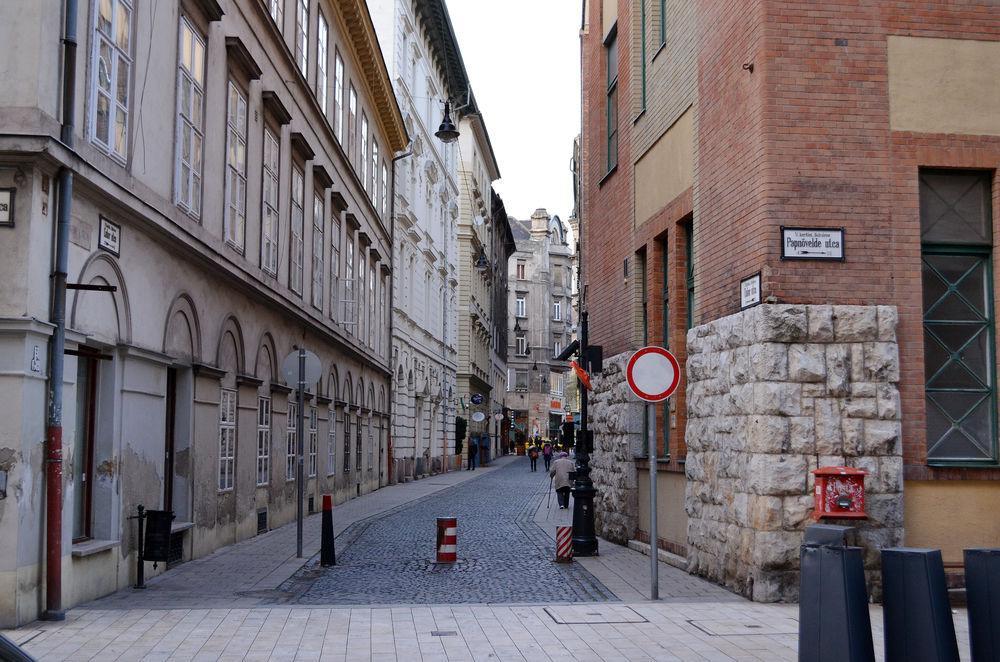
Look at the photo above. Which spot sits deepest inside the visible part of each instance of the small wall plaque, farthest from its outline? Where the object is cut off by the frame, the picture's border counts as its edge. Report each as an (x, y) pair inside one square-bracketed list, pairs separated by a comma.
[(110, 237), (7, 207), (750, 291), (812, 244)]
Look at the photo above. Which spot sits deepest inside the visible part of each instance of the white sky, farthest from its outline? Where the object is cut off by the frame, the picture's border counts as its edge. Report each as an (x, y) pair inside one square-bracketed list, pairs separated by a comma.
[(523, 59)]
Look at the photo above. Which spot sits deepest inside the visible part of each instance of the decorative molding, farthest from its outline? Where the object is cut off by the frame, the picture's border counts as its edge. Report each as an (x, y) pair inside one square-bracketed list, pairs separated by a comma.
[(274, 107), (237, 52)]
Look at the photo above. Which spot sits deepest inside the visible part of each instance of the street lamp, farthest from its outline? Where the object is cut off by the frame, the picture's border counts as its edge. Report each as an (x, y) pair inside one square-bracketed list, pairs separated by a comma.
[(482, 264), (447, 132)]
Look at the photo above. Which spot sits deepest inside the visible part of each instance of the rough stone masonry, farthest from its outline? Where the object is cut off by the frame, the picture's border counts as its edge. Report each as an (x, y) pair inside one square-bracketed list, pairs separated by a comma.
[(773, 393)]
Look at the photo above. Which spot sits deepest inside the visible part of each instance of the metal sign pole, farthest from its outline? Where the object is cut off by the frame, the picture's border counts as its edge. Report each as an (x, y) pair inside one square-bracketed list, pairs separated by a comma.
[(300, 428), (654, 569)]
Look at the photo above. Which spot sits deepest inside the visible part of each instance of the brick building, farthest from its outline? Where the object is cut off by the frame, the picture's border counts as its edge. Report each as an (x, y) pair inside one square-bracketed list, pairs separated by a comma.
[(706, 128)]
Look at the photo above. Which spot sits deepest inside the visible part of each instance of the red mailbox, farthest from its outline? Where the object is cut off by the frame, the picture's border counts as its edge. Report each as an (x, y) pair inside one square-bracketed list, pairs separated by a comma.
[(839, 492)]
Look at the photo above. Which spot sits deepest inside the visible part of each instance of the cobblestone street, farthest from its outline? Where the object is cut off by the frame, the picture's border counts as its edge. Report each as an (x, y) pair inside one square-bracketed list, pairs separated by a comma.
[(504, 556)]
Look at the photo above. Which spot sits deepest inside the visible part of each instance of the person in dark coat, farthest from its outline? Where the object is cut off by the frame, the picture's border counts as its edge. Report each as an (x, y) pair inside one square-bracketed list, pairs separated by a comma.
[(547, 451), (473, 451), (533, 456)]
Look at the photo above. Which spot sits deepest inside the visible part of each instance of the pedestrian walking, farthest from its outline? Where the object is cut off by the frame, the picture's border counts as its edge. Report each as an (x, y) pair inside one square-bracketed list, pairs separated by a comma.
[(533, 456), (560, 478), (547, 454), (473, 451)]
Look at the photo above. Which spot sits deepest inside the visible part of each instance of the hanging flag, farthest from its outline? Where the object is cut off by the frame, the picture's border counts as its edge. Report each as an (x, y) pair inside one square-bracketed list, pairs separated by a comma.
[(582, 374), (462, 401)]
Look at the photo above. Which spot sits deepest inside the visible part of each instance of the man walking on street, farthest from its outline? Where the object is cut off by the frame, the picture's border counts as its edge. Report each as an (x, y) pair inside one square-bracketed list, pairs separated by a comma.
[(547, 454), (560, 478), (473, 451)]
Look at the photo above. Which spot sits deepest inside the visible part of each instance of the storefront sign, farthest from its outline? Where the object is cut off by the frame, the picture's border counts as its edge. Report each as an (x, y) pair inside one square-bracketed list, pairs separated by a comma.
[(110, 236), (750, 291), (812, 243), (6, 206), (477, 398)]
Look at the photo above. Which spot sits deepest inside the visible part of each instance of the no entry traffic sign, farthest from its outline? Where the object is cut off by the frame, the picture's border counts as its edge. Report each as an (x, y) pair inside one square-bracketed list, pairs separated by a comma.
[(653, 373)]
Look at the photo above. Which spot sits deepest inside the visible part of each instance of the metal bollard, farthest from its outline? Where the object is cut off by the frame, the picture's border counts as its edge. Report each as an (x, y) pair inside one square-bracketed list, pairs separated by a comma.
[(917, 615), (564, 544), (834, 623), (447, 539), (328, 552), (982, 589)]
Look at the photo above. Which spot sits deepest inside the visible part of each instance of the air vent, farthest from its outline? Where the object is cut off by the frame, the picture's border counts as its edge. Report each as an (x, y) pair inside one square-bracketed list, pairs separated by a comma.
[(312, 505), (262, 521)]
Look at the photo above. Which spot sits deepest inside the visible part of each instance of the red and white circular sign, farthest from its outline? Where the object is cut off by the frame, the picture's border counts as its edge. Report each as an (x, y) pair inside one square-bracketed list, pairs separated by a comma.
[(653, 373)]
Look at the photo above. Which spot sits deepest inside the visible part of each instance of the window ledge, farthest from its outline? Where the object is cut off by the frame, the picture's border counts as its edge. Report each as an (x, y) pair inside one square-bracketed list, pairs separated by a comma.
[(607, 175), (659, 50), (177, 527), (90, 547), (639, 116)]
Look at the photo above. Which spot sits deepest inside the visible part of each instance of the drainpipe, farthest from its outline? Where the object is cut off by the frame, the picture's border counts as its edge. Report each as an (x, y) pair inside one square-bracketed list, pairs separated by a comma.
[(392, 307), (53, 433)]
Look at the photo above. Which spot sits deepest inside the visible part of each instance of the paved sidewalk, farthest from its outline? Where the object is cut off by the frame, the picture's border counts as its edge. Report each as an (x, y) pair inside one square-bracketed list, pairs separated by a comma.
[(248, 573)]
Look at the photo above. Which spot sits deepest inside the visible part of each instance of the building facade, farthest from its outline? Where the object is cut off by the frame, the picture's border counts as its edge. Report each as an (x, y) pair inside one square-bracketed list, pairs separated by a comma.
[(501, 240), (707, 127), (426, 69), (477, 170), (541, 327), (230, 202)]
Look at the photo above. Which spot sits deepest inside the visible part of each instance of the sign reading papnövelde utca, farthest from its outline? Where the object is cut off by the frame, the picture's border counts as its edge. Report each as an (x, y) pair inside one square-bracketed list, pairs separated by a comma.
[(812, 243)]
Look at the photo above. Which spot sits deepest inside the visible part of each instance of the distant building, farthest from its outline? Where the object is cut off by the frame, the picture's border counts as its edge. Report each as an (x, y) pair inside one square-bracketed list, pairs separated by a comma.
[(230, 202), (541, 325)]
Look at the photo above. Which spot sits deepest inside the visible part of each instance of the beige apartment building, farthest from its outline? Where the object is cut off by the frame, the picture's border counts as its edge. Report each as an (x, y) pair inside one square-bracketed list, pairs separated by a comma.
[(231, 166)]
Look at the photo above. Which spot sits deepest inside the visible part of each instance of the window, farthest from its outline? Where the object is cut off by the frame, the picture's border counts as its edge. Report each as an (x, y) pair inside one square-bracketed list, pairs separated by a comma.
[(521, 348), (190, 111), (383, 322), (371, 443), (643, 285), (263, 441), (349, 286), (313, 440), (318, 246), (83, 446), (227, 438), (236, 166), (363, 171), (291, 440), (302, 35), (347, 439), (689, 255), (519, 307), (371, 304), (665, 314), (295, 246), (520, 380), (335, 268), (642, 54), (322, 63), (275, 8), (556, 348), (338, 97), (375, 173), (352, 125), (958, 320), (357, 444), (112, 64), (362, 312), (385, 189), (269, 213), (611, 54), (331, 446), (663, 22), (520, 269), (557, 310)]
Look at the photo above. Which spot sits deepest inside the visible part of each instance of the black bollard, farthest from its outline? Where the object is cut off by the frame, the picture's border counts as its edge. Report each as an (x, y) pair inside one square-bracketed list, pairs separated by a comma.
[(982, 590), (328, 553), (918, 622), (834, 624)]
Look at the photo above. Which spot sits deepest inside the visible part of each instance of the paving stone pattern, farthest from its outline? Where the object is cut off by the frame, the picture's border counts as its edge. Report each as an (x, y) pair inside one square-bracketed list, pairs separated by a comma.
[(504, 557)]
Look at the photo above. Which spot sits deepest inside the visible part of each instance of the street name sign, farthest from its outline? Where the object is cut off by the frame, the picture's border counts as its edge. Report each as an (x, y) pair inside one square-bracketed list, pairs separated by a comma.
[(812, 243), (653, 373), (750, 291)]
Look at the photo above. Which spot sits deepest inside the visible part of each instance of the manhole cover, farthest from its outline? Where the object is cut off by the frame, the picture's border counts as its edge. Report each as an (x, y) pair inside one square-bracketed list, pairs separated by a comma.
[(726, 628), (571, 615)]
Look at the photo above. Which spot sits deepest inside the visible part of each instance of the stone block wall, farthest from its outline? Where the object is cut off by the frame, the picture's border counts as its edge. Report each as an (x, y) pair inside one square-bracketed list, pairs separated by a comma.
[(773, 393), (616, 419)]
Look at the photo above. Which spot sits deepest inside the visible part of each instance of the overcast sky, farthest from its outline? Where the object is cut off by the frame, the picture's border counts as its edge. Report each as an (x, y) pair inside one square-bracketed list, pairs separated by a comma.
[(523, 59)]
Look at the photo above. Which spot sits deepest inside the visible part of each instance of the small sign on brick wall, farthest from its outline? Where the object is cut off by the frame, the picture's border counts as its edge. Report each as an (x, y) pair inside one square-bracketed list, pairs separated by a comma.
[(6, 206), (750, 291), (812, 243)]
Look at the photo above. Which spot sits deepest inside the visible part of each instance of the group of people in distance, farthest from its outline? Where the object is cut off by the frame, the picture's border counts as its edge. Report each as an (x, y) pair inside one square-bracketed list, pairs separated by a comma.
[(557, 463)]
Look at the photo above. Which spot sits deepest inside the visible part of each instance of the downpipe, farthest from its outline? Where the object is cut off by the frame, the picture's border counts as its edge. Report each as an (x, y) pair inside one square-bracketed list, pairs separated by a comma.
[(57, 344)]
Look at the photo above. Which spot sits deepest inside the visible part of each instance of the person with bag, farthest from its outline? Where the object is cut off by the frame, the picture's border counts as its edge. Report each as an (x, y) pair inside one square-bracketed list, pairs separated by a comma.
[(533, 456), (547, 454), (560, 471)]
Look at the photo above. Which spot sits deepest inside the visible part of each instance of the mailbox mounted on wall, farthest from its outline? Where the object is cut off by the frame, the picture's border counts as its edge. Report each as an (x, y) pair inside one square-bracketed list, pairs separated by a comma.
[(839, 492)]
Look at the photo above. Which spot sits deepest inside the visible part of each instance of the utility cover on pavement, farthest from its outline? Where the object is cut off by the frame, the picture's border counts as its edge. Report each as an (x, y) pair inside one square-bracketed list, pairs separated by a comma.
[(594, 614), (727, 628)]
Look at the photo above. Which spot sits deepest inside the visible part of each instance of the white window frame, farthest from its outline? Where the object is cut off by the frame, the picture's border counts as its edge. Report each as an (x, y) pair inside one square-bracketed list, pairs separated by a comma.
[(362, 315), (375, 162), (236, 166), (291, 441), (302, 36), (322, 62), (518, 374), (557, 310), (383, 342), (385, 188), (263, 441), (350, 305), (347, 439), (520, 345), (270, 200), (371, 442), (556, 348), (120, 64), (189, 170), (318, 246), (331, 449), (296, 255), (313, 440), (371, 304), (362, 172), (227, 439), (277, 11), (521, 270), (338, 96), (520, 305), (335, 313), (352, 125)]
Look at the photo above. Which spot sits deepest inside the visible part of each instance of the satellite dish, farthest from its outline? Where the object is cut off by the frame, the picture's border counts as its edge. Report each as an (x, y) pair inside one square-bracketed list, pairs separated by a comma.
[(479, 417)]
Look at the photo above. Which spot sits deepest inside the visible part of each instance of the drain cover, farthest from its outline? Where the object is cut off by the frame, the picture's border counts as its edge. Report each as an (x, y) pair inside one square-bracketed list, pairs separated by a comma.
[(443, 633), (571, 615), (725, 628)]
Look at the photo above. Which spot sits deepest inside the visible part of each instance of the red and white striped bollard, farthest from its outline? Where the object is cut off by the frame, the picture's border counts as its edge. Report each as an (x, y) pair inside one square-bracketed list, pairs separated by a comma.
[(447, 539), (564, 544)]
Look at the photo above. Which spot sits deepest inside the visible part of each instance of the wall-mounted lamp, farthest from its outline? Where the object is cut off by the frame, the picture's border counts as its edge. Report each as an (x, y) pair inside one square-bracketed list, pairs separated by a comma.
[(447, 132)]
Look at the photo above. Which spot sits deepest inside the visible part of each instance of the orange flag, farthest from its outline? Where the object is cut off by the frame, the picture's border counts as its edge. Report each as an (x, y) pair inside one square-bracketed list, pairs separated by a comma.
[(582, 374)]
